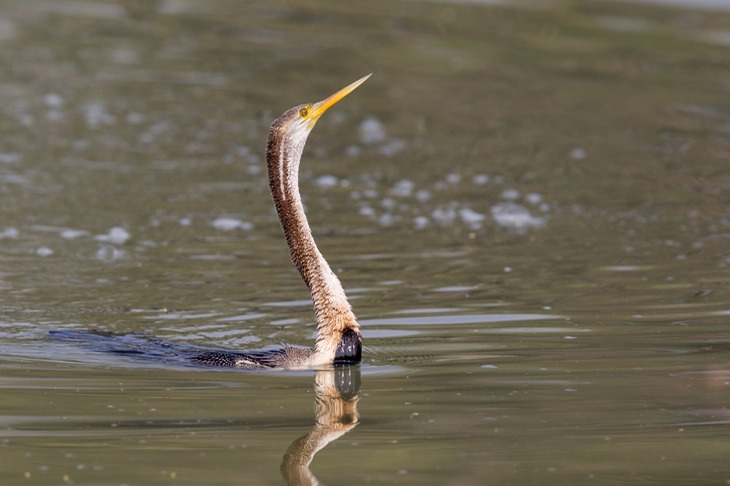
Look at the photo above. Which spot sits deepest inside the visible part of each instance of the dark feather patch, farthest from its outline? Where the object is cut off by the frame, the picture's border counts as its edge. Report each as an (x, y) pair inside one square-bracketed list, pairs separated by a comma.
[(350, 348)]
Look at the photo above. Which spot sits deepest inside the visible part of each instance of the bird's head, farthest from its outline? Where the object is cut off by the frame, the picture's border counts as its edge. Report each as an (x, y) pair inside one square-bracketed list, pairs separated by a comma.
[(297, 122)]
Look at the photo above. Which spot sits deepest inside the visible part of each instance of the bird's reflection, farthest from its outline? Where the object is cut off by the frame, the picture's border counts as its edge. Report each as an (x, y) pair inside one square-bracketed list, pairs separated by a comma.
[(337, 392)]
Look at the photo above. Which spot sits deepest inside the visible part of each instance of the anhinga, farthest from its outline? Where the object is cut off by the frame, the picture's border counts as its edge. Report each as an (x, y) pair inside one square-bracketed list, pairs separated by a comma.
[(338, 334)]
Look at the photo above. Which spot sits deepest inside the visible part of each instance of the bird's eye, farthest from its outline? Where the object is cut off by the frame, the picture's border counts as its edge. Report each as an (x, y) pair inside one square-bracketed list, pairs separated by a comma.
[(304, 112)]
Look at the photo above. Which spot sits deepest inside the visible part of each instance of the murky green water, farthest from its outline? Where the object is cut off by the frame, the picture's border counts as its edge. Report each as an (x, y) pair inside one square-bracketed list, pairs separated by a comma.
[(528, 204)]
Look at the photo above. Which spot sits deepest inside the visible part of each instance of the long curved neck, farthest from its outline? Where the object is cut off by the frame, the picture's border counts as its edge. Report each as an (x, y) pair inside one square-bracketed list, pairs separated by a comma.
[(332, 310)]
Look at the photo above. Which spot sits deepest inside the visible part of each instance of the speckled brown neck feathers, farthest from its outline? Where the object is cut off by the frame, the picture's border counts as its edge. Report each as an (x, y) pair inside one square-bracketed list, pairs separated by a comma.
[(333, 313)]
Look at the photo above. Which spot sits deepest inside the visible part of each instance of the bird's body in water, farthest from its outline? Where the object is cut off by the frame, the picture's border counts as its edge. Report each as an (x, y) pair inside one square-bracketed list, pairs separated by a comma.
[(339, 340), (338, 334)]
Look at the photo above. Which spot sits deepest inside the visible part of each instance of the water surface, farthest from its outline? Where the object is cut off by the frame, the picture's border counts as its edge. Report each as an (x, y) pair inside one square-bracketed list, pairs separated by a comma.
[(527, 203)]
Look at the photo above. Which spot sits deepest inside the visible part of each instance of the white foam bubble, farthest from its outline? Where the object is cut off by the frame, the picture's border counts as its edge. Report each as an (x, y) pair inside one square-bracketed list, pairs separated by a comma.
[(471, 218), (387, 219), (420, 222), (327, 181), (9, 158), (480, 179), (53, 100), (444, 215), (72, 234), (108, 253), (578, 153), (352, 150), (388, 203), (9, 233), (96, 114), (230, 224), (366, 210), (134, 118), (392, 147), (423, 195), (403, 188), (44, 251), (116, 235), (372, 131), (515, 217)]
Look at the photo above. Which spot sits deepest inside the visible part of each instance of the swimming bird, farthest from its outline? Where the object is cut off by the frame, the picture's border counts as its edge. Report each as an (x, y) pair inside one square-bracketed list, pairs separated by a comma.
[(339, 339)]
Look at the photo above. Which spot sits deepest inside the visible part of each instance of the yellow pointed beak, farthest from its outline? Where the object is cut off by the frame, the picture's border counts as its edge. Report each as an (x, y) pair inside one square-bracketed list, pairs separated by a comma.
[(319, 108)]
